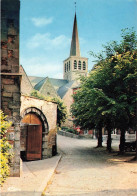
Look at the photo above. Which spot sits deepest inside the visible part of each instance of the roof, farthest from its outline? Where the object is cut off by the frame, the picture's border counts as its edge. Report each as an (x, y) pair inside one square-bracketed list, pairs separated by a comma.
[(34, 79), (75, 48), (64, 89), (57, 83)]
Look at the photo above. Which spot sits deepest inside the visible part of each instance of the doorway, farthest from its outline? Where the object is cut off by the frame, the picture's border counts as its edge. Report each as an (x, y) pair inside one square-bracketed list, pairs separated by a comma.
[(33, 137)]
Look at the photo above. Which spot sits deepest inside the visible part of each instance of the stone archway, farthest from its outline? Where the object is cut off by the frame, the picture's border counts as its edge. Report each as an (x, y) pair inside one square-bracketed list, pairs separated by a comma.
[(34, 129)]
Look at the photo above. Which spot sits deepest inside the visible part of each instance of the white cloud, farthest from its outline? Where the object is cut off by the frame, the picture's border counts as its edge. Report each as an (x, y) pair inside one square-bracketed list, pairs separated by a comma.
[(45, 41), (41, 66), (41, 21)]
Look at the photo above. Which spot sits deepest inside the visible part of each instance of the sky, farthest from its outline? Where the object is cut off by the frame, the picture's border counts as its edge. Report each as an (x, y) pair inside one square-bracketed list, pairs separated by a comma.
[(46, 30)]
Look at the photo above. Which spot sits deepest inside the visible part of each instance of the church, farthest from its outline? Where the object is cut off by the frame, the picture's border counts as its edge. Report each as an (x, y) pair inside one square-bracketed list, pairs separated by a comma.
[(73, 67)]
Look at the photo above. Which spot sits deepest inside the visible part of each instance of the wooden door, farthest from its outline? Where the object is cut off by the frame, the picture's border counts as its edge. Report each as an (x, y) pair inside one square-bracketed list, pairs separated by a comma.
[(34, 142), (34, 137)]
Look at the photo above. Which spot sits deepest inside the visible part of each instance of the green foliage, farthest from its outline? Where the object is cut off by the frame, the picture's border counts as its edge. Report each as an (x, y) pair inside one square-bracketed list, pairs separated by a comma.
[(61, 108), (61, 111), (5, 154), (108, 96), (4, 168), (38, 95)]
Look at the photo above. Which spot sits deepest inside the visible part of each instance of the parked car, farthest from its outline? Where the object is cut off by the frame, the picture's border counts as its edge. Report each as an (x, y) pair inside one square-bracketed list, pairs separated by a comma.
[(130, 146)]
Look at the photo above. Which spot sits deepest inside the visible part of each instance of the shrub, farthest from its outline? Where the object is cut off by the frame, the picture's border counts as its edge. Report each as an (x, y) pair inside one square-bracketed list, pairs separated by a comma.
[(5, 147), (4, 168)]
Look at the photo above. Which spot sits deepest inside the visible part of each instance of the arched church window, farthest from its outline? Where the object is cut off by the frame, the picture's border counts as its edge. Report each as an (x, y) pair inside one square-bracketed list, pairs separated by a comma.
[(79, 65), (84, 65), (75, 64), (69, 65), (65, 67)]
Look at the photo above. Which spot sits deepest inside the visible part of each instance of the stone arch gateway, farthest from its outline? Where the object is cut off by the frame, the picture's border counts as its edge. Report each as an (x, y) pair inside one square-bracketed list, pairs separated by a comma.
[(40, 114), (44, 113), (34, 128)]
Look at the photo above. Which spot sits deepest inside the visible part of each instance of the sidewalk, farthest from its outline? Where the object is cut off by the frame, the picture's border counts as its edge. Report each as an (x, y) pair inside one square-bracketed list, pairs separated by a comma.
[(33, 180)]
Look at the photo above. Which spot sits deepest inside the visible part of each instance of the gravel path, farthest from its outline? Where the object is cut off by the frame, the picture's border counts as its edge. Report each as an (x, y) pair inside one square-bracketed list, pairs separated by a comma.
[(88, 171)]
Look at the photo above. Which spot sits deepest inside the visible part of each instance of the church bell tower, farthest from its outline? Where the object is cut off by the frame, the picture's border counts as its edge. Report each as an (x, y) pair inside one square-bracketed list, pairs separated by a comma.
[(75, 65)]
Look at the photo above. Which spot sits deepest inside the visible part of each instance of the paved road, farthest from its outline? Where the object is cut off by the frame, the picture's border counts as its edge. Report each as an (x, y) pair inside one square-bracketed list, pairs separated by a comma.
[(88, 171)]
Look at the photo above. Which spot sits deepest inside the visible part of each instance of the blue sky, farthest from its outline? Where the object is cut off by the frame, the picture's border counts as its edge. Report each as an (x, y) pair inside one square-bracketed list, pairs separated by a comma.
[(46, 30)]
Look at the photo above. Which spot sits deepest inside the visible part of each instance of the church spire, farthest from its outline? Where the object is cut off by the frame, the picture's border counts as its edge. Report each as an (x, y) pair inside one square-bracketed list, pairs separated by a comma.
[(75, 48)]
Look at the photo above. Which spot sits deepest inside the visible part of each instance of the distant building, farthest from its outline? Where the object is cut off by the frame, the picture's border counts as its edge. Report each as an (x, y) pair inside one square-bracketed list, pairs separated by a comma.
[(73, 67)]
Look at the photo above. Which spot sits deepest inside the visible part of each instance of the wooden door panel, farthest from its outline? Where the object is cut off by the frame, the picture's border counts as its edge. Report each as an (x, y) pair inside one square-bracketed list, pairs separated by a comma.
[(34, 142), (31, 119)]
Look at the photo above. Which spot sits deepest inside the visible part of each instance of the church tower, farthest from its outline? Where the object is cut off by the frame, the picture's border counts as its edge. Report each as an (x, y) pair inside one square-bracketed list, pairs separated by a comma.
[(75, 65)]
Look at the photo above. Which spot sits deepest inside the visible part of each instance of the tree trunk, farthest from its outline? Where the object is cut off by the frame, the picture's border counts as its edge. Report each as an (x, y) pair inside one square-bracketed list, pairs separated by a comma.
[(99, 137), (109, 140), (122, 141)]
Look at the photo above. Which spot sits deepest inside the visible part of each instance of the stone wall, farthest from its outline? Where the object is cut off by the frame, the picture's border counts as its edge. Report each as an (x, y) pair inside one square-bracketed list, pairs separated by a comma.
[(49, 110), (26, 86), (68, 100), (10, 77)]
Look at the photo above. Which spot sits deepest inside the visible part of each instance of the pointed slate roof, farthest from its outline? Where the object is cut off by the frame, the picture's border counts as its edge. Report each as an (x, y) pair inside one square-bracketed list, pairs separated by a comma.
[(57, 83), (49, 86), (70, 85), (75, 48), (35, 79)]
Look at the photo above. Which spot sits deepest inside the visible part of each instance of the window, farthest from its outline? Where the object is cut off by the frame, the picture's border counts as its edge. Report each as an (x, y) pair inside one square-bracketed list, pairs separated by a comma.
[(84, 65), (69, 65), (65, 67), (79, 65), (75, 64)]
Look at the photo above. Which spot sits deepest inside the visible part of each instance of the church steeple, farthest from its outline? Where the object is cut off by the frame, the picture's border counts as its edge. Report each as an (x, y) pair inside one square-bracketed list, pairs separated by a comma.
[(75, 65), (75, 48)]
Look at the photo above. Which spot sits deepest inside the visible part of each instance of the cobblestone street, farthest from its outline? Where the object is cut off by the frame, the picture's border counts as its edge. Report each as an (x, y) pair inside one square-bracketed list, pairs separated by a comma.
[(86, 170)]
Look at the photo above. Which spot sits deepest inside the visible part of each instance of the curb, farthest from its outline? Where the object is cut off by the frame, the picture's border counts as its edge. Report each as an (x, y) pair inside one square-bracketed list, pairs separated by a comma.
[(71, 135), (47, 182)]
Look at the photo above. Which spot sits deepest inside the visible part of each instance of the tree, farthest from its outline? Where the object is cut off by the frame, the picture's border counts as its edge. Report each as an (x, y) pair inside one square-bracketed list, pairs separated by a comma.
[(110, 89), (61, 111)]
